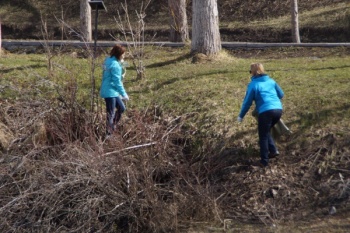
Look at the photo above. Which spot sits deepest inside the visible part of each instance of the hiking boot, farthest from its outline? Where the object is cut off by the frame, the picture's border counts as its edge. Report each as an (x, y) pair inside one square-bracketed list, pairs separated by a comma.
[(271, 156), (258, 164)]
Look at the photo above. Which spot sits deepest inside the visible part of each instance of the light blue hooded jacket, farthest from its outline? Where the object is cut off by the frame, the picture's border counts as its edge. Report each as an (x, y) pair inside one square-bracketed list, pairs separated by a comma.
[(266, 93), (112, 79)]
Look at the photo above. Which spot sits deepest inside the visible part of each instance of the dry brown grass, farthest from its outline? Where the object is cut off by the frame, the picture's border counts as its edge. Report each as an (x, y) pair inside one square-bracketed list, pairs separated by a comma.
[(167, 172), (60, 175), (72, 180)]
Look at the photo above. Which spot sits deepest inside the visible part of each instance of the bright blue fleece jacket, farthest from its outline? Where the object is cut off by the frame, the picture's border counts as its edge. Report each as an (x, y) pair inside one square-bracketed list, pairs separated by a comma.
[(112, 81), (266, 93)]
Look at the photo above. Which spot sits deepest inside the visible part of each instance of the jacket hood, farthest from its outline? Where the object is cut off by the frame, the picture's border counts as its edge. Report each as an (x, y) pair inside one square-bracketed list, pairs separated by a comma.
[(260, 78), (109, 61)]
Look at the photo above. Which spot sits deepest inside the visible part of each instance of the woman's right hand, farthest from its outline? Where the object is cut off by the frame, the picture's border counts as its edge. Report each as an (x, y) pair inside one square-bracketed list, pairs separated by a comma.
[(126, 98)]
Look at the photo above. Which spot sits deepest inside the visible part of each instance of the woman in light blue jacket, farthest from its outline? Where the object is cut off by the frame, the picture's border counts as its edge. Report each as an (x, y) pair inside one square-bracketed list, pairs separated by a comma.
[(267, 95), (112, 88)]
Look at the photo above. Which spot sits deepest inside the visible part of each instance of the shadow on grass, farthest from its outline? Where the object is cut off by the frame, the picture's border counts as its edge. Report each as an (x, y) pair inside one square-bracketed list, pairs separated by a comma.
[(331, 68), (306, 121), (25, 4), (9, 70), (165, 63), (313, 69), (173, 80)]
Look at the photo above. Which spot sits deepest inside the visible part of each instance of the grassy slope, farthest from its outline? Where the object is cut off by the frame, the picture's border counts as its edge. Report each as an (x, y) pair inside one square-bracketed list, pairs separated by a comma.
[(314, 81), (316, 103), (316, 108), (25, 18), (336, 14), (218, 87)]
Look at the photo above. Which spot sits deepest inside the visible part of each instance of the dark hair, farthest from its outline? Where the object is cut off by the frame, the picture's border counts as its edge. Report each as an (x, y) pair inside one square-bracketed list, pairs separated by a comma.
[(117, 51)]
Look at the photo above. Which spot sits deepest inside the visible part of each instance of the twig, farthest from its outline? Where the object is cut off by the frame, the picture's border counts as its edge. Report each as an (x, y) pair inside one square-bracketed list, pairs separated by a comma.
[(130, 148)]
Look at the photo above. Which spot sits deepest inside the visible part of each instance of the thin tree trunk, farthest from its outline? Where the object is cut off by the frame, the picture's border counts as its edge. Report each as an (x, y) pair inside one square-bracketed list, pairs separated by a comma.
[(85, 21), (178, 21), (0, 39), (62, 24), (205, 27), (295, 21)]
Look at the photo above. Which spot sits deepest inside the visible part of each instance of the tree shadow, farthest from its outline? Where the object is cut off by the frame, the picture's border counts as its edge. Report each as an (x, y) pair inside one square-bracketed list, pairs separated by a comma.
[(173, 80), (243, 155), (314, 69), (330, 68), (303, 123), (9, 70), (24, 4), (311, 119), (169, 62)]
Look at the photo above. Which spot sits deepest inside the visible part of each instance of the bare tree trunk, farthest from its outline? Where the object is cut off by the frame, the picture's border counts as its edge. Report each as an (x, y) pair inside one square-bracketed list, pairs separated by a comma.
[(178, 21), (205, 27), (295, 21), (62, 24), (85, 21), (0, 39)]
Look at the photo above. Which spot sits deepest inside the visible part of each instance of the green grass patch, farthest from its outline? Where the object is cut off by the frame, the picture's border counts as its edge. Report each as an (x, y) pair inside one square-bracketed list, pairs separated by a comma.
[(315, 82), (332, 16)]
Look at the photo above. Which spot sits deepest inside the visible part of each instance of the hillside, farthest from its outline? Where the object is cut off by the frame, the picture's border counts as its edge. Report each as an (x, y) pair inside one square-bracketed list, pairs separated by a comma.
[(249, 21), (179, 160)]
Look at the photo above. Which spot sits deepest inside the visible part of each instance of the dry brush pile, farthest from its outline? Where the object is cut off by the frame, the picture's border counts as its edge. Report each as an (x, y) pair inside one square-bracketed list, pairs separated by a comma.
[(59, 175)]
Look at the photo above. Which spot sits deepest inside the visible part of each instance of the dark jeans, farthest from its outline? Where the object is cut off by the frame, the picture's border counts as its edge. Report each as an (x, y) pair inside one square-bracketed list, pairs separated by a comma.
[(266, 121), (113, 117)]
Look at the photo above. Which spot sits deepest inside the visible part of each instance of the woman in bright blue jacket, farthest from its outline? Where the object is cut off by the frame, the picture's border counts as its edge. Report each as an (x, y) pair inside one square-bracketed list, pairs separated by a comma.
[(112, 88), (267, 95)]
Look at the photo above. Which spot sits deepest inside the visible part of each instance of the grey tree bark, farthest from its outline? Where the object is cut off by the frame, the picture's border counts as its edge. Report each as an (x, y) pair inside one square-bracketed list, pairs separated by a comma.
[(205, 27), (178, 21), (85, 21), (295, 21)]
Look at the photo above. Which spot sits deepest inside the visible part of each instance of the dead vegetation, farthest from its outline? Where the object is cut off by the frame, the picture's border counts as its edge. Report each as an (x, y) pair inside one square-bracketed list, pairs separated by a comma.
[(158, 173), (59, 175)]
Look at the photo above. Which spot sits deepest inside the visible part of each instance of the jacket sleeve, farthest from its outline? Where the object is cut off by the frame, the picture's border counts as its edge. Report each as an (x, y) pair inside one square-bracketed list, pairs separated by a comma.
[(116, 73), (279, 91), (247, 102)]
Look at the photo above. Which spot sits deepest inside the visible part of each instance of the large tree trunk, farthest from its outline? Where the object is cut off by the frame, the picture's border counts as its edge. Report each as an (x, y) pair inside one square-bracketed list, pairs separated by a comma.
[(85, 21), (178, 21), (205, 27), (295, 21)]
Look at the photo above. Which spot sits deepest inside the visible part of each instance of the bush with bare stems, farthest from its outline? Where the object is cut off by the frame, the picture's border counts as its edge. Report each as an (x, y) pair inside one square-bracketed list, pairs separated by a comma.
[(59, 175)]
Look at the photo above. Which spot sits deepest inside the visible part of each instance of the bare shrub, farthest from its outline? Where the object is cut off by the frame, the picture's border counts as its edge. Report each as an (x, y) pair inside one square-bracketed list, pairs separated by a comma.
[(76, 182), (147, 177), (134, 34)]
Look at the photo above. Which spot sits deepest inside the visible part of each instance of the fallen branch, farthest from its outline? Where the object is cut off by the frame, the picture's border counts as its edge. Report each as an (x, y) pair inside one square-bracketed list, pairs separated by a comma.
[(130, 148)]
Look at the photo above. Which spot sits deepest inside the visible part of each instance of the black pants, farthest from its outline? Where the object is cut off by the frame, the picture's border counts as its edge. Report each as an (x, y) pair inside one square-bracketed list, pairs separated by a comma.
[(266, 121)]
